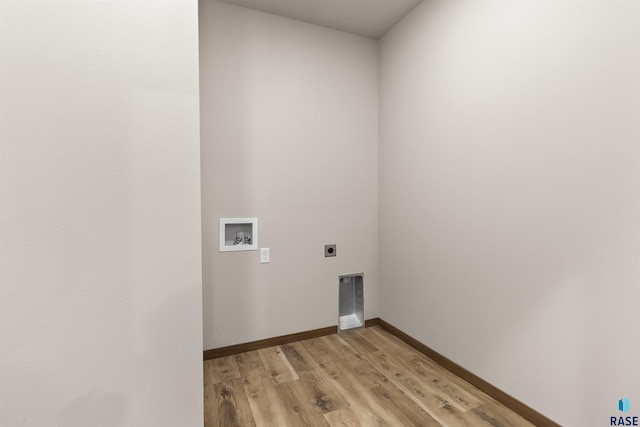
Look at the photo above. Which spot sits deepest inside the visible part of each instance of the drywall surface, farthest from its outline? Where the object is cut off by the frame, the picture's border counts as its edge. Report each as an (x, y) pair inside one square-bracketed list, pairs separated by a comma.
[(509, 197), (289, 135), (363, 17), (100, 263)]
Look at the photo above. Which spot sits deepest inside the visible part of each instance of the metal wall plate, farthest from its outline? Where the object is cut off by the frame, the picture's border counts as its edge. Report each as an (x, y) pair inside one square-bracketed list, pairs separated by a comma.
[(329, 250)]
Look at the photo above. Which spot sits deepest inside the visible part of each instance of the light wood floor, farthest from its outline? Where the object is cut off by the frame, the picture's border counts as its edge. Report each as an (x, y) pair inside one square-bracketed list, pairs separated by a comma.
[(365, 377)]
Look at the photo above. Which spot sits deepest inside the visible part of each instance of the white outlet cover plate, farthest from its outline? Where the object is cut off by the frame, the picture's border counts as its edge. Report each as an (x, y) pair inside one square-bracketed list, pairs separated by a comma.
[(265, 255)]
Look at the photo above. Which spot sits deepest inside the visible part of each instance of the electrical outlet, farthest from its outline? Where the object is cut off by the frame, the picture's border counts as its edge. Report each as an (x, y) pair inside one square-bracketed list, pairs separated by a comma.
[(329, 250), (265, 255)]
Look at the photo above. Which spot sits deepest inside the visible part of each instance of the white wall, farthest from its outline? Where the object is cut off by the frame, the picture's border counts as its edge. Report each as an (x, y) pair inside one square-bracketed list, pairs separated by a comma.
[(100, 264), (509, 199), (289, 135)]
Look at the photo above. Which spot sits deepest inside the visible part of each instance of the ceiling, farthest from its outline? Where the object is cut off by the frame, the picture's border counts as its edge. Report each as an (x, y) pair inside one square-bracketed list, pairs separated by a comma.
[(369, 18)]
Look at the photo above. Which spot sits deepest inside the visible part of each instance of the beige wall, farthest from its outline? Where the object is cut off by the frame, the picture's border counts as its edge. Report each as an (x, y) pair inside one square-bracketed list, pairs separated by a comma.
[(289, 135), (100, 259), (509, 202)]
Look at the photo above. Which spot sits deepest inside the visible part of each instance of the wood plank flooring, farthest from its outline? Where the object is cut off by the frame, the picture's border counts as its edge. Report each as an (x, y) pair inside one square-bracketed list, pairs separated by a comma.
[(366, 377)]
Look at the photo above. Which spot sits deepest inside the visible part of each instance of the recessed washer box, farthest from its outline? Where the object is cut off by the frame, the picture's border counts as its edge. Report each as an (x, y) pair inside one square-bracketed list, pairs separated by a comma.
[(351, 301), (238, 234)]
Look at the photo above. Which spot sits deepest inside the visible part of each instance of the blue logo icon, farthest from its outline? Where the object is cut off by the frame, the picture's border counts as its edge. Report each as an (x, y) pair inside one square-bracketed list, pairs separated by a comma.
[(624, 405), (628, 420)]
